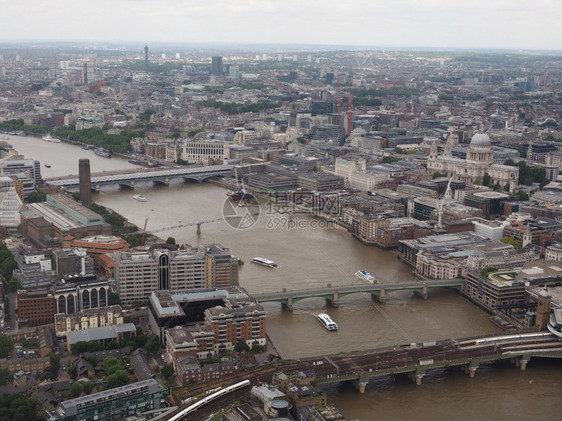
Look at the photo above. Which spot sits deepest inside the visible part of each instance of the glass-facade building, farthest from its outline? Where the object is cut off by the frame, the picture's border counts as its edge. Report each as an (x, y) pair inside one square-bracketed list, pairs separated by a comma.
[(112, 404)]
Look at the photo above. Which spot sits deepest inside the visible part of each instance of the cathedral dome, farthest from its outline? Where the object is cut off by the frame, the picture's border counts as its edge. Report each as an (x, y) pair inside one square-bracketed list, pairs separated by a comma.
[(480, 140)]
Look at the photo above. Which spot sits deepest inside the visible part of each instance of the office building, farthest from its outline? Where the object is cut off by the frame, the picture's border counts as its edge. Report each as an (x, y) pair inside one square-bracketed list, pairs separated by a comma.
[(234, 72), (168, 309), (239, 320), (113, 404), (137, 274), (72, 262), (204, 151), (35, 307), (216, 66), (27, 171), (81, 292), (10, 203)]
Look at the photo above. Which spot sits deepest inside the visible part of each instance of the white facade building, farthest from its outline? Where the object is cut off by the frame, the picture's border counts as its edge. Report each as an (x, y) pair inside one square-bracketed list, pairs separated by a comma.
[(203, 151), (10, 203), (479, 161), (357, 176)]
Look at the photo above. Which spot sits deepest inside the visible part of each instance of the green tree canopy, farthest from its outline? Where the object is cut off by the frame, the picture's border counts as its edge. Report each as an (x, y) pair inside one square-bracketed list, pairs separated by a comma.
[(5, 375), (523, 196), (389, 160), (88, 387), (6, 346), (16, 407), (167, 371), (511, 240), (153, 345), (241, 346), (36, 196), (76, 390)]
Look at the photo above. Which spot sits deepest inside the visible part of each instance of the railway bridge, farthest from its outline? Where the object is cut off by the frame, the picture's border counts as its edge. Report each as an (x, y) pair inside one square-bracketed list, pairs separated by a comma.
[(127, 178), (332, 294), (416, 359)]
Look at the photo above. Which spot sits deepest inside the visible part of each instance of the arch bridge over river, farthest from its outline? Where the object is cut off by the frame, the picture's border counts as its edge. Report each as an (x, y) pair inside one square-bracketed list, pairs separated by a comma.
[(332, 294), (127, 178)]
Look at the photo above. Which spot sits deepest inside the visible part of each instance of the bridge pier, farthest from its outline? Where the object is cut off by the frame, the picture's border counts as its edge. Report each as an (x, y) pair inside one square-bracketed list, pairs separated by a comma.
[(423, 292), (523, 364), (334, 301), (417, 376), (470, 369), (287, 305), (198, 228), (380, 296), (362, 382)]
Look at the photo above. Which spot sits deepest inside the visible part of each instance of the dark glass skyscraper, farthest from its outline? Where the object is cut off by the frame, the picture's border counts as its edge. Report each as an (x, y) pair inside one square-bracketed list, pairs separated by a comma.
[(216, 66)]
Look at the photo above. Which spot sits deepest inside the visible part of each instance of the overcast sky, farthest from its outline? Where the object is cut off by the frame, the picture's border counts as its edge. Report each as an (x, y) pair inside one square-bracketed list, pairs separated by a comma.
[(513, 24)]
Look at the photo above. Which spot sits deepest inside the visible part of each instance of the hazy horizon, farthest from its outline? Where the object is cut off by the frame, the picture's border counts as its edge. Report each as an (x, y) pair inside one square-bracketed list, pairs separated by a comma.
[(399, 24)]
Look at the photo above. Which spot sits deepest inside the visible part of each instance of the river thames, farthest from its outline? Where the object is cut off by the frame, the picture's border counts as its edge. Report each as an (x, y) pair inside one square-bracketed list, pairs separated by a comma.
[(315, 254)]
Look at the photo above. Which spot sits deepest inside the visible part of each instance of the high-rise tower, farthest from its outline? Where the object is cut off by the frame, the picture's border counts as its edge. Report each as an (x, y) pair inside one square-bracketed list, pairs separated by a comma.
[(146, 57), (85, 182), (216, 66)]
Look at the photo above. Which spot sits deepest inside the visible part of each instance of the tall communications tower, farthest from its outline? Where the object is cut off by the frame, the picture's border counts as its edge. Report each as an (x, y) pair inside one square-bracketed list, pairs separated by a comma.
[(146, 57)]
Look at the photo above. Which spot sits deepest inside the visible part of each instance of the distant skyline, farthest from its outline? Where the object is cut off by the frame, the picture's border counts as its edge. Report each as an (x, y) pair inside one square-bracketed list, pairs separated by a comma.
[(477, 24)]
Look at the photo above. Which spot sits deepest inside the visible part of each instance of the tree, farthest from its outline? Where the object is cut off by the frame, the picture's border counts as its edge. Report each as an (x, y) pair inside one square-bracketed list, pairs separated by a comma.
[(15, 406), (88, 387), (167, 371), (389, 160), (486, 179), (114, 299), (111, 365), (36, 196), (112, 345), (14, 283), (6, 346), (5, 375), (72, 370), (511, 240), (7, 262), (170, 240), (112, 381), (76, 390), (523, 196), (122, 376), (486, 271), (153, 345), (241, 346)]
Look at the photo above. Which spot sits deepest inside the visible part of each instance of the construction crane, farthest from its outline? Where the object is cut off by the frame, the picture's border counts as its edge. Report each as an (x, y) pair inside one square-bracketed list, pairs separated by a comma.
[(339, 110), (143, 232)]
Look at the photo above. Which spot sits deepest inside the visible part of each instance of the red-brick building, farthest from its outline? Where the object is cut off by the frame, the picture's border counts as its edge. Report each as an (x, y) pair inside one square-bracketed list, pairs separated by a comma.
[(36, 307)]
